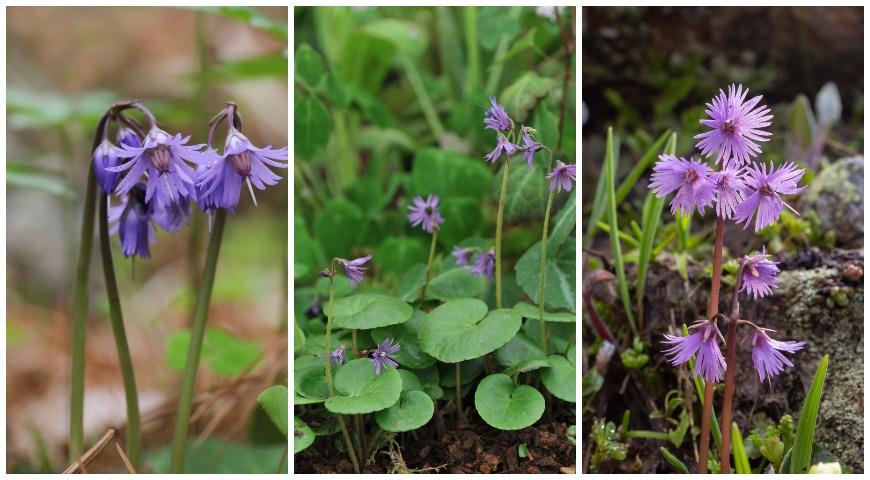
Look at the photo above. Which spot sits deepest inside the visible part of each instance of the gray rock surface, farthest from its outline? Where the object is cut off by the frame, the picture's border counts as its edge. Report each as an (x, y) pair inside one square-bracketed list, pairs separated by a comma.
[(837, 196)]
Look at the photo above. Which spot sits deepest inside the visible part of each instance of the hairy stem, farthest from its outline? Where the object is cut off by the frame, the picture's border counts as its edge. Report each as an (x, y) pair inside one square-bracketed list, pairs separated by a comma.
[(543, 324), (429, 266), (730, 367), (712, 310), (498, 230), (117, 319), (179, 443)]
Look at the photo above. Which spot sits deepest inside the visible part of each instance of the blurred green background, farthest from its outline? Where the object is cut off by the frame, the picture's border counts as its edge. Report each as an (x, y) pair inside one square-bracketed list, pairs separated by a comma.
[(65, 67)]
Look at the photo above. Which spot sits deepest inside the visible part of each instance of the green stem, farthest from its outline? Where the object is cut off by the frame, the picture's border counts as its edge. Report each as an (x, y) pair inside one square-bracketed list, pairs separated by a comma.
[(117, 319), (352, 342), (429, 266), (459, 411), (498, 230), (282, 464), (422, 95), (471, 48), (347, 441), (179, 443), (496, 69), (79, 321), (647, 434), (543, 324)]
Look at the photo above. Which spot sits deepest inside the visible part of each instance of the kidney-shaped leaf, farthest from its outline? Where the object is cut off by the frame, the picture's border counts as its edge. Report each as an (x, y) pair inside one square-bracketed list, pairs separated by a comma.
[(462, 329), (561, 378), (275, 402), (365, 311), (519, 349), (359, 390), (527, 310), (303, 436), (413, 410), (559, 287), (409, 355), (506, 406)]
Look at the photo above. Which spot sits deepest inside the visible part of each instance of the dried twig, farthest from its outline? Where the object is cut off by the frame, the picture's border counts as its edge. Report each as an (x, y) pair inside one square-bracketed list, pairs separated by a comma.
[(81, 463)]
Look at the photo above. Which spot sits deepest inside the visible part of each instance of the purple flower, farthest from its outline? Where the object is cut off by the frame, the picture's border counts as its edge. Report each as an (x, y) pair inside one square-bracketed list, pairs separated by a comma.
[(691, 179), (530, 146), (162, 160), (425, 212), (496, 118), (126, 136), (484, 264), (563, 176), (462, 255), (759, 275), (382, 356), (767, 354), (132, 221), (504, 146), (173, 216), (221, 180), (106, 157), (736, 126), (710, 364), (354, 269), (729, 186), (762, 192), (337, 356)]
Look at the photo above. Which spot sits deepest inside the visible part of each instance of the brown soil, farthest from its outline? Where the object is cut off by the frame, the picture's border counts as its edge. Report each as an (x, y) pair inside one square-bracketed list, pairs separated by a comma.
[(474, 448)]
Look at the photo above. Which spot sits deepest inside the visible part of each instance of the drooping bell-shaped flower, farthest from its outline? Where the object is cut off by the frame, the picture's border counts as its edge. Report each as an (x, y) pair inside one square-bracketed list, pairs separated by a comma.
[(563, 176), (759, 275), (709, 362), (106, 157), (503, 147), (484, 264), (496, 118), (530, 147), (132, 221), (355, 269), (462, 255), (767, 354), (762, 190)]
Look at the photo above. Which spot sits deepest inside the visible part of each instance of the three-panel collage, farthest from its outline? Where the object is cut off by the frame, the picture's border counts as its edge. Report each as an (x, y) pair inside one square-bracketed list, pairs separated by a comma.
[(405, 227)]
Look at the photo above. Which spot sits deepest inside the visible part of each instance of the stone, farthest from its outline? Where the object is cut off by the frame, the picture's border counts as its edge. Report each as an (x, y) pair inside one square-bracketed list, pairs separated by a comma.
[(836, 194)]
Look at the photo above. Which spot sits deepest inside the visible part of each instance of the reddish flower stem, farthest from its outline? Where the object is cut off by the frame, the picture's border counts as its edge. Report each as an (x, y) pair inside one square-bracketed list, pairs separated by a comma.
[(725, 451)]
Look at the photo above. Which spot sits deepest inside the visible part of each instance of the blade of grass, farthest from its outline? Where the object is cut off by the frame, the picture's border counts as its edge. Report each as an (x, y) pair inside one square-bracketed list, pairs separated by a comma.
[(673, 460), (699, 387), (622, 235), (802, 451), (648, 157), (741, 461), (619, 266), (599, 202), (667, 241), (684, 225)]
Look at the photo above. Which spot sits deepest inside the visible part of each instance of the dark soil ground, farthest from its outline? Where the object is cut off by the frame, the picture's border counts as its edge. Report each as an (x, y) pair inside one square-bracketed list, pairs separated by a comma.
[(473, 448)]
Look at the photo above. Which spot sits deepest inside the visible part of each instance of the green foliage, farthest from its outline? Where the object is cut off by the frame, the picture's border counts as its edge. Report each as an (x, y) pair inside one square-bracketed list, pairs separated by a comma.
[(274, 401), (312, 126), (673, 460), (303, 436), (801, 453), (359, 390), (464, 329), (365, 311), (222, 352), (220, 456), (413, 410), (610, 174), (607, 446), (507, 406)]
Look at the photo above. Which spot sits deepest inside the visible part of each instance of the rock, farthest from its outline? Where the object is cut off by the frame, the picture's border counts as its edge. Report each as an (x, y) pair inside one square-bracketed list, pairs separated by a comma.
[(837, 196)]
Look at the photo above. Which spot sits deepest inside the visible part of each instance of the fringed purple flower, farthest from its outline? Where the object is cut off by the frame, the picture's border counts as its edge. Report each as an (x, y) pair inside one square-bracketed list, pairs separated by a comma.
[(496, 118), (106, 157), (767, 354), (132, 221), (355, 270), (502, 147), (462, 255), (173, 216), (126, 136), (709, 362), (484, 264), (563, 176), (759, 275), (691, 179), (221, 181), (736, 126), (425, 212), (530, 147), (762, 193), (382, 356), (728, 185), (337, 357), (162, 159)]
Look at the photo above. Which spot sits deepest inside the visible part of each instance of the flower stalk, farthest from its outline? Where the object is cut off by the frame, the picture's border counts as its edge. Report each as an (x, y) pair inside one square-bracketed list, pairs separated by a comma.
[(429, 266), (728, 396), (543, 324), (179, 443), (498, 230)]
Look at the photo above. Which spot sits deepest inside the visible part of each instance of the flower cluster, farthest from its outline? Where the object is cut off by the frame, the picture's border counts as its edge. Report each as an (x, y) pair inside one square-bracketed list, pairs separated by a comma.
[(480, 264), (742, 190), (157, 175)]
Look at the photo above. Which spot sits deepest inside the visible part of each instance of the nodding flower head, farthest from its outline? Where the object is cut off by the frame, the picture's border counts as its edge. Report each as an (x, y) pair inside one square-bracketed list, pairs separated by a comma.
[(759, 275), (709, 362), (354, 269), (162, 159), (762, 191), (484, 264), (337, 357), (530, 146), (689, 178), (383, 355), (503, 147), (126, 136), (132, 221), (221, 180), (106, 157), (563, 176), (767, 354), (496, 118), (425, 212), (735, 125), (462, 255)]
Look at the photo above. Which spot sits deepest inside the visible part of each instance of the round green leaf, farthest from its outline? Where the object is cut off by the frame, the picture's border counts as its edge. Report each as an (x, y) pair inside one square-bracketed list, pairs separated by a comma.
[(527, 366), (275, 403), (527, 192), (413, 410), (411, 283), (454, 284), (309, 66), (409, 355), (312, 127), (310, 383), (560, 285), (410, 382), (303, 436), (430, 379), (461, 330), (366, 311), (560, 378), (397, 254), (506, 406), (519, 349), (359, 390), (527, 310)]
